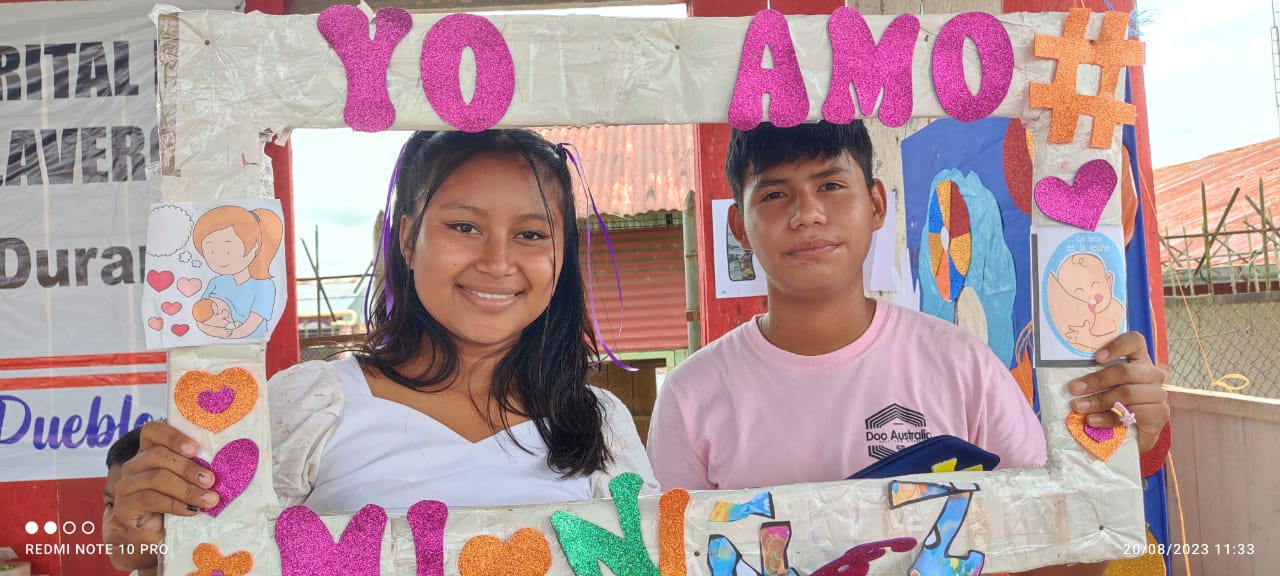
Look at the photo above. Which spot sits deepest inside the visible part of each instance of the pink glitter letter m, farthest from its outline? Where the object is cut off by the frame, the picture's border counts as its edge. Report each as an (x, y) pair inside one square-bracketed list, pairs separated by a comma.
[(307, 548), (788, 99), (856, 59), (369, 107)]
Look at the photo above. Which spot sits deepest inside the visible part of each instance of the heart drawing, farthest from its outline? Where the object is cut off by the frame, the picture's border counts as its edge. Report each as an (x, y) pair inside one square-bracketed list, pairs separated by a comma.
[(1079, 204), (159, 281), (155, 323), (189, 286), (171, 308), (233, 468)]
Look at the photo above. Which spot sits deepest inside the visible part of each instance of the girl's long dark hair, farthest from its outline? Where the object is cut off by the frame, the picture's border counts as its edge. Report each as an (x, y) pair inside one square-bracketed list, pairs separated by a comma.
[(543, 376)]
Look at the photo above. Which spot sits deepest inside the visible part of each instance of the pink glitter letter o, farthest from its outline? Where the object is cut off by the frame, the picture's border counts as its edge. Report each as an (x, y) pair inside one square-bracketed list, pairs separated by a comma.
[(995, 52), (788, 99), (495, 72)]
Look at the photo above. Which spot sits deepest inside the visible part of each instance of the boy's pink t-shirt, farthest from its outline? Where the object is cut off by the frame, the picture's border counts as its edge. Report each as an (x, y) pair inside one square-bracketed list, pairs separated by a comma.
[(743, 413)]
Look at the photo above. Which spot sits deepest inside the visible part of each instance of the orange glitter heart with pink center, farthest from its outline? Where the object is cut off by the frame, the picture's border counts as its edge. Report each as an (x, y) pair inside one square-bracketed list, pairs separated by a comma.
[(215, 402), (526, 553), (1101, 442)]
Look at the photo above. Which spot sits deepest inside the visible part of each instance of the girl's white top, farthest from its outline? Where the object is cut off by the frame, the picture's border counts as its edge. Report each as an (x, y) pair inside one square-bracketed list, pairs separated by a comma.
[(336, 448)]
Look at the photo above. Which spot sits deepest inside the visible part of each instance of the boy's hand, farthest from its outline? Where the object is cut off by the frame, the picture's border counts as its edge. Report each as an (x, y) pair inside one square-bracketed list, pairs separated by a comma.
[(161, 479), (1137, 384)]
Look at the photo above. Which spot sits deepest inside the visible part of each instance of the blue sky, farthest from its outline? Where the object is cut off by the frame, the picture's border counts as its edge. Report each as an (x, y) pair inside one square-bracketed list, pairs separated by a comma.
[(1209, 89)]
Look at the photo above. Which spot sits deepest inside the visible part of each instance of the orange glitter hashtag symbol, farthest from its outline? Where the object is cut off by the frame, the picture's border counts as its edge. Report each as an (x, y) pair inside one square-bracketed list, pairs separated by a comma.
[(1110, 52)]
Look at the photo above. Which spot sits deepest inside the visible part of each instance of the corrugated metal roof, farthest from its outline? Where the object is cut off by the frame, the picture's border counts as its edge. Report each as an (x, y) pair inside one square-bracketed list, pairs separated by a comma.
[(633, 169), (651, 263), (1178, 204)]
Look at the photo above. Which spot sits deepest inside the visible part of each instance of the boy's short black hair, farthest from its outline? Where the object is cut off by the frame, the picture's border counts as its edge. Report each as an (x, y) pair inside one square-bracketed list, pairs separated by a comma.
[(124, 449), (766, 146)]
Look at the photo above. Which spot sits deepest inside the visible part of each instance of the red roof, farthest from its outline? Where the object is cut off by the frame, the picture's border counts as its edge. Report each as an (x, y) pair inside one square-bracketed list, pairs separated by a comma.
[(1178, 204), (633, 169)]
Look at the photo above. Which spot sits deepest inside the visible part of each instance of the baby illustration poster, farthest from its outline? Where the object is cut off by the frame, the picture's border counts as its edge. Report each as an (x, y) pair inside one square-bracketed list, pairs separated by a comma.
[(215, 273), (1081, 283)]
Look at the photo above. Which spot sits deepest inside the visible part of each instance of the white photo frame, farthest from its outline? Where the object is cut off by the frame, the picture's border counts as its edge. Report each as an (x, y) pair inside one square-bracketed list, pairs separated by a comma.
[(231, 81)]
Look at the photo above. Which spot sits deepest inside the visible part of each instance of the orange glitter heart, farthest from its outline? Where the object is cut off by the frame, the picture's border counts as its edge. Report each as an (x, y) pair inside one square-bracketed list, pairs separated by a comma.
[(216, 402), (526, 553), (1102, 446), (210, 562)]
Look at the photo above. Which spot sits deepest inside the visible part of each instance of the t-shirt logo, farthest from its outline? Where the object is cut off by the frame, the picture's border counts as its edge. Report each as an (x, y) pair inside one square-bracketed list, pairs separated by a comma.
[(894, 428)]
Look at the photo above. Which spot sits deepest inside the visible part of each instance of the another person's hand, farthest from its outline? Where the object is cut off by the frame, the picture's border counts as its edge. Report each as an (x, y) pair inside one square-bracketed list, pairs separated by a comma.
[(161, 479), (1137, 383)]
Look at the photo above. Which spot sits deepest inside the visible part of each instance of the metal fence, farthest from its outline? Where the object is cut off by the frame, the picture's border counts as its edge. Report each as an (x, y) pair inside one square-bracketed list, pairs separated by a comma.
[(1225, 343), (1222, 300)]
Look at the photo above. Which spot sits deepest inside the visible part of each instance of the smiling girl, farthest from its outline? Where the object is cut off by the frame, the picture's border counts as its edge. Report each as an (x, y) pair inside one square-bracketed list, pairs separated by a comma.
[(471, 387)]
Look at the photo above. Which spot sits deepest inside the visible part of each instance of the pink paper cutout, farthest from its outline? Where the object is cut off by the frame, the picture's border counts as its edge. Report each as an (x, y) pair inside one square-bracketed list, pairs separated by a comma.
[(155, 323), (495, 72), (872, 69), (369, 107), (1080, 204), (426, 521), (233, 468), (308, 549), (1099, 434), (159, 281), (179, 330), (189, 286), (171, 308), (788, 99), (216, 402), (995, 52)]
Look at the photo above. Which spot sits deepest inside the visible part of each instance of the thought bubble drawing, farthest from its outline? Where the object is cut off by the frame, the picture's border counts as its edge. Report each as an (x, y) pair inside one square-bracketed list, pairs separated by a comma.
[(185, 256), (196, 264), (168, 230)]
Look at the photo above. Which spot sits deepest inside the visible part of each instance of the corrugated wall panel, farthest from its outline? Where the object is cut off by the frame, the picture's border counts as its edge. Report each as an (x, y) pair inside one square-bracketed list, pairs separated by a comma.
[(651, 263)]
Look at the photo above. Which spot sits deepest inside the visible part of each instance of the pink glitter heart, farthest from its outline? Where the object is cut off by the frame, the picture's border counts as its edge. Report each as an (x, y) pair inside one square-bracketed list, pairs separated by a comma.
[(233, 467), (1081, 204), (1099, 435), (216, 573), (216, 402)]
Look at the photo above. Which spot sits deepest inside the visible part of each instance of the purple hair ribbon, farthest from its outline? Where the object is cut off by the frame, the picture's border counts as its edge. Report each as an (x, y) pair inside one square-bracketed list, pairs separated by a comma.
[(384, 242), (572, 152)]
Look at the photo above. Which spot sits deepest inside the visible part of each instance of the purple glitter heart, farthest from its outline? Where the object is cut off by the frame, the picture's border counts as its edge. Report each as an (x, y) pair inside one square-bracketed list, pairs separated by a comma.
[(1080, 204), (1099, 435), (216, 573), (216, 402), (233, 467)]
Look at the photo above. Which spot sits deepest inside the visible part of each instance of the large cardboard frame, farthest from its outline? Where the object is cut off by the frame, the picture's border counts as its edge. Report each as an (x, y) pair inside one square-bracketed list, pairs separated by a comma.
[(229, 81)]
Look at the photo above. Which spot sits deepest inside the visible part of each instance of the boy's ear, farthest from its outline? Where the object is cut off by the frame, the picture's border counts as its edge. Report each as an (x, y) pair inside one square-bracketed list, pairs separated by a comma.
[(1111, 279), (738, 227), (879, 203)]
